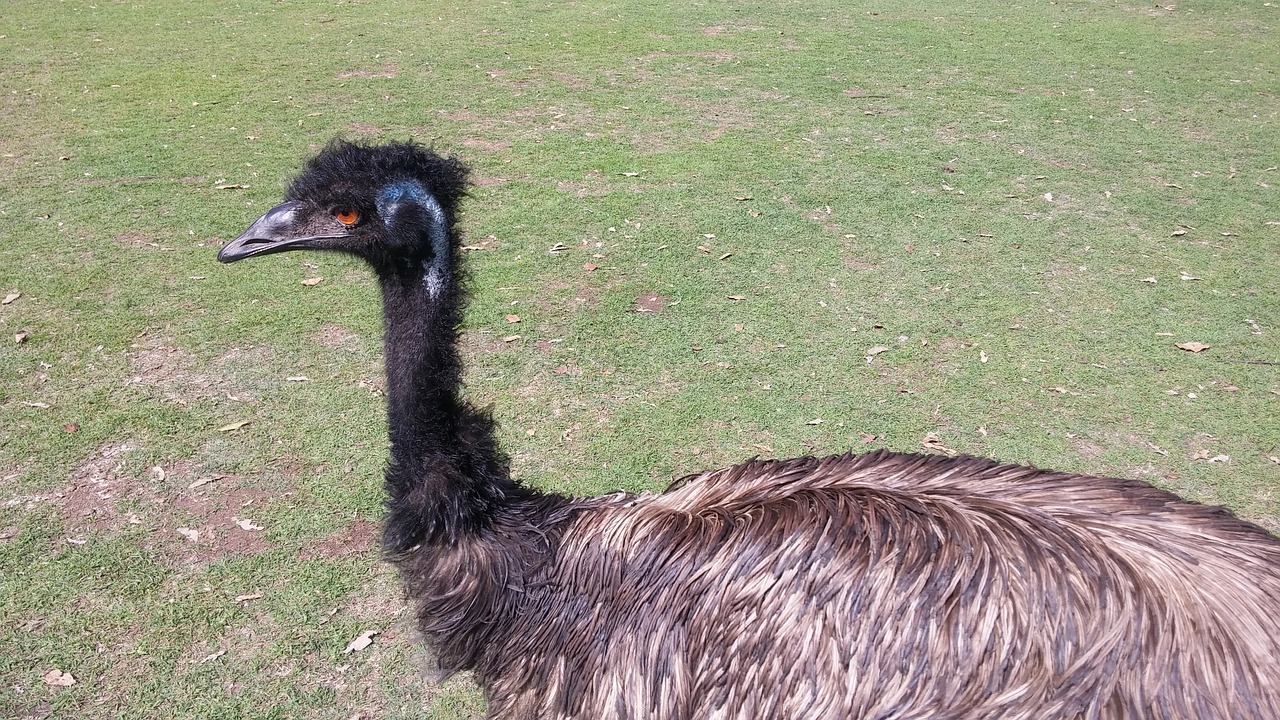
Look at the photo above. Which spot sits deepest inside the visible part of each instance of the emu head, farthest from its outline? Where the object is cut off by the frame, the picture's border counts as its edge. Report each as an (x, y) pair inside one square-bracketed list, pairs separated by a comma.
[(392, 205)]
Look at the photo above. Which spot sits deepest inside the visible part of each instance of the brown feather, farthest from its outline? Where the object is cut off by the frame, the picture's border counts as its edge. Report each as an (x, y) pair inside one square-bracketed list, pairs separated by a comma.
[(884, 586)]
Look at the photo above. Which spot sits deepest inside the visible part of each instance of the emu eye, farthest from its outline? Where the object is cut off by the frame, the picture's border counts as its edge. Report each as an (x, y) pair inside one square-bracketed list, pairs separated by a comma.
[(347, 216)]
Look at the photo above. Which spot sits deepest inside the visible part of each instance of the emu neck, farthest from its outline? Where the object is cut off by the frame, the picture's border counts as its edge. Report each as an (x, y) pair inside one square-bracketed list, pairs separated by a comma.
[(447, 478)]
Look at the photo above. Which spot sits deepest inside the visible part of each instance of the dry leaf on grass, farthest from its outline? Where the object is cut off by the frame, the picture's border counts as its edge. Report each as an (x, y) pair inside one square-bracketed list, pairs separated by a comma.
[(202, 481), (1193, 347), (234, 426), (312, 281), (57, 678), (513, 318), (247, 598), (589, 267), (245, 524), (932, 442), (21, 336), (211, 657), (815, 421), (364, 640), (510, 338), (188, 533), (10, 297)]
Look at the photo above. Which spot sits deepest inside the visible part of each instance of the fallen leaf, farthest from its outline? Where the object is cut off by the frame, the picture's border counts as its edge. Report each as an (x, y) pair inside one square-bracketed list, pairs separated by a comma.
[(982, 430), (10, 297), (736, 297), (57, 678), (738, 327), (874, 351), (70, 427), (1179, 231), (1147, 280), (815, 421), (932, 442), (298, 378), (704, 249), (203, 481), (211, 657), (313, 281), (513, 318), (1185, 276), (865, 437), (1048, 196), (188, 533), (742, 198), (364, 640), (589, 267), (1194, 347), (510, 338), (21, 336), (1200, 455), (42, 406), (982, 356), (630, 174), (246, 524), (231, 186), (725, 256), (762, 448), (1220, 459), (234, 426), (709, 236), (247, 598)]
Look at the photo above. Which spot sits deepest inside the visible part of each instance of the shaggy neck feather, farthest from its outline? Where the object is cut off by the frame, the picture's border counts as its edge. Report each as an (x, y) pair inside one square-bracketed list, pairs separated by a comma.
[(447, 478)]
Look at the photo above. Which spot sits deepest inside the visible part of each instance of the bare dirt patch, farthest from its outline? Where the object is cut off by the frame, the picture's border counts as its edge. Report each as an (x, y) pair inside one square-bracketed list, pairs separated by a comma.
[(593, 184), (364, 128), (388, 70), (208, 523), (335, 337), (156, 363), (650, 302), (98, 487), (487, 145), (358, 538), (134, 240)]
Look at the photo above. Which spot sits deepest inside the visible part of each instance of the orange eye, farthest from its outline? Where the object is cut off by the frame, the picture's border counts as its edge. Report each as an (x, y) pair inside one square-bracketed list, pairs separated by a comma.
[(347, 216)]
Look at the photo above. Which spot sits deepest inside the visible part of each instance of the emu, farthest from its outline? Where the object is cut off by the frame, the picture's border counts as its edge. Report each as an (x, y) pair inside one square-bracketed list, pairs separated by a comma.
[(883, 585)]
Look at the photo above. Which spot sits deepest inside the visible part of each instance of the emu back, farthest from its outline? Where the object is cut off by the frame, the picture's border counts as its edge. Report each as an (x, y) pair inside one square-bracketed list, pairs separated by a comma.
[(896, 586)]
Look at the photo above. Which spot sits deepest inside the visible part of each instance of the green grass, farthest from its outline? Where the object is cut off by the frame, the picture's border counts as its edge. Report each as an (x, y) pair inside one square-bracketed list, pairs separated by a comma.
[(877, 175)]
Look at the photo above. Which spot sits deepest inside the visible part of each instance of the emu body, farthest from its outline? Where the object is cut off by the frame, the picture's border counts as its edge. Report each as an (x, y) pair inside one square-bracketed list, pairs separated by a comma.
[(877, 586)]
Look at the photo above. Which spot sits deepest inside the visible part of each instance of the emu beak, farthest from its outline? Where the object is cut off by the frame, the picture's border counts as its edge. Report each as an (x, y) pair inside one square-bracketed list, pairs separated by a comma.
[(276, 231)]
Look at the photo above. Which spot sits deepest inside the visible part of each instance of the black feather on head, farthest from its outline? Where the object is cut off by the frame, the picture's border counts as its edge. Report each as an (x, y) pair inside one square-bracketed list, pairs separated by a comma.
[(350, 174)]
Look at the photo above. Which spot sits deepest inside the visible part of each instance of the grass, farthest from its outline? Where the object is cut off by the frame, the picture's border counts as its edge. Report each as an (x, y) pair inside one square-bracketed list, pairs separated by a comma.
[(1029, 184)]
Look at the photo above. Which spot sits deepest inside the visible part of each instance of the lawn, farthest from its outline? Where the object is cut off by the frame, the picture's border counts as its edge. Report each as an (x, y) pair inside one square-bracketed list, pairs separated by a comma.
[(1045, 233)]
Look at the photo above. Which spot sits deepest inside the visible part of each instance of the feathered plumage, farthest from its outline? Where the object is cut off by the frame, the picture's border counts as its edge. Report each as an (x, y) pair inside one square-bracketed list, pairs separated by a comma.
[(883, 585)]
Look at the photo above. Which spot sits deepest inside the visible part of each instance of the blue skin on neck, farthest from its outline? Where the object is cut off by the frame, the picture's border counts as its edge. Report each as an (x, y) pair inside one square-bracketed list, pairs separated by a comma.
[(404, 192)]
